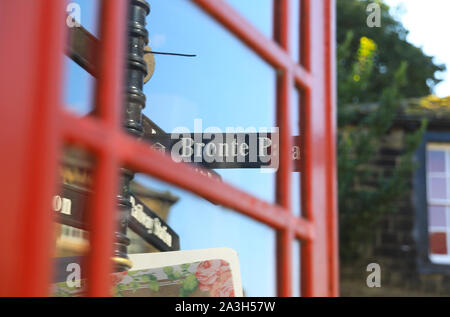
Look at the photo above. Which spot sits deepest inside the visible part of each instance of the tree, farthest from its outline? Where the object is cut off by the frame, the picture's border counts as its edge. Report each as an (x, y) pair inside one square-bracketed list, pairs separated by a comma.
[(373, 66), (392, 49)]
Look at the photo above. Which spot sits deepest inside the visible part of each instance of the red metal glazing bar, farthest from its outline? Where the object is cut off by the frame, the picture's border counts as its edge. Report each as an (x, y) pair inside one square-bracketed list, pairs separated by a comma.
[(111, 62), (303, 229), (102, 221), (88, 132), (303, 78), (142, 158), (283, 185), (306, 248), (331, 128), (283, 180), (153, 163), (284, 262), (305, 44), (253, 38), (315, 180), (109, 98), (31, 61), (221, 11)]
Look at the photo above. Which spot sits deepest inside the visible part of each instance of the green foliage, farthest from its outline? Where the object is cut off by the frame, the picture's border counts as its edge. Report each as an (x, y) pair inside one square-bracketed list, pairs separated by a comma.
[(392, 49), (374, 65), (119, 289), (153, 285), (137, 282), (190, 284), (134, 286), (177, 275), (168, 270)]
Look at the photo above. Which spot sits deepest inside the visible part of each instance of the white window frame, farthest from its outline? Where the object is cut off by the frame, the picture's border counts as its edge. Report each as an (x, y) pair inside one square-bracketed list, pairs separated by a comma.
[(439, 258)]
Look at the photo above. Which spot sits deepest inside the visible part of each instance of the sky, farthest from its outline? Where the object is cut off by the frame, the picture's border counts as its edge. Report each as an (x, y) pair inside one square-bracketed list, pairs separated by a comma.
[(428, 22)]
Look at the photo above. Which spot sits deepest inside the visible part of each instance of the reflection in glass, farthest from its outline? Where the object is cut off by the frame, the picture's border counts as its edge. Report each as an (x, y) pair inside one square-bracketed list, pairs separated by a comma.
[(296, 193), (438, 243), (69, 206), (295, 111), (296, 292), (436, 161), (437, 216), (79, 84), (294, 10), (89, 10), (295, 128), (438, 188), (79, 88)]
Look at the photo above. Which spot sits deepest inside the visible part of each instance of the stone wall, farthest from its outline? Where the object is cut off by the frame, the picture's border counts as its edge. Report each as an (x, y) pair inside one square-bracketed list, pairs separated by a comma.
[(394, 247)]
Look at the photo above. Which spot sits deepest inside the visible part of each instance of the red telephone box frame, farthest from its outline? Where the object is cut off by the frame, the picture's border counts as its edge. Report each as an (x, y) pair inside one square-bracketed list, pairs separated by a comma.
[(34, 125)]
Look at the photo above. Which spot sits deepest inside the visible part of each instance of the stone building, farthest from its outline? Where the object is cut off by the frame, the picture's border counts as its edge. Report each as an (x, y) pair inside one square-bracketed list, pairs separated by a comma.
[(412, 242)]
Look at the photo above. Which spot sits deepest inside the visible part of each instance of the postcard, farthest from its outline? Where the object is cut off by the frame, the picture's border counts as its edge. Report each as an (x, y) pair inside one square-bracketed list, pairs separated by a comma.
[(194, 273)]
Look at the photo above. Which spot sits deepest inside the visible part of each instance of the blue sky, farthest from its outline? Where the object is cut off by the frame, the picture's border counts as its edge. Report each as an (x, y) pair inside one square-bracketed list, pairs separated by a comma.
[(427, 22)]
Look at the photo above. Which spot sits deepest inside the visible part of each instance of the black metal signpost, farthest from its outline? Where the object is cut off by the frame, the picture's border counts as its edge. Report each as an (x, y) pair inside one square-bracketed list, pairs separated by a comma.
[(135, 102)]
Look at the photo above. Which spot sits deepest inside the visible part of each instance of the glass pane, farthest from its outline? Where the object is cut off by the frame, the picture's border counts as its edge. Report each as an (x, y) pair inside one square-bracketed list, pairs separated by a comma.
[(79, 84), (71, 234), (296, 260), (79, 88), (437, 216), (438, 243), (438, 188), (258, 12), (296, 193), (295, 128), (295, 111), (225, 85), (201, 224), (436, 161), (85, 12), (295, 29)]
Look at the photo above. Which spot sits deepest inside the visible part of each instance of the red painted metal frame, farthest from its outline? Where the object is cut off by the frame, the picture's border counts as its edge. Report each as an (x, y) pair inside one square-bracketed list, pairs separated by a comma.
[(33, 125)]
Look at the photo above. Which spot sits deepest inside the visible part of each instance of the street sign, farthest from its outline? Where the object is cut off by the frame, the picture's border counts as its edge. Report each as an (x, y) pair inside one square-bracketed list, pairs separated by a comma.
[(220, 150), (152, 228), (224, 150), (70, 206)]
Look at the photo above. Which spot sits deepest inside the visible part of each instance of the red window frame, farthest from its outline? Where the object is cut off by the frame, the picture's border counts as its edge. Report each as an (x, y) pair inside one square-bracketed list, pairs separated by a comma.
[(34, 125)]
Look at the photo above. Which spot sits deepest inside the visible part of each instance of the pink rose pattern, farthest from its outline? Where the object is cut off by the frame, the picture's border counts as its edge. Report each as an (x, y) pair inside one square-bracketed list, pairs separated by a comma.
[(215, 276), (116, 278)]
